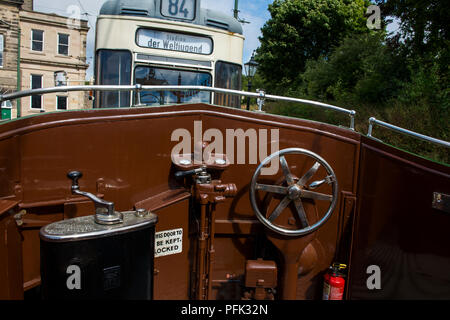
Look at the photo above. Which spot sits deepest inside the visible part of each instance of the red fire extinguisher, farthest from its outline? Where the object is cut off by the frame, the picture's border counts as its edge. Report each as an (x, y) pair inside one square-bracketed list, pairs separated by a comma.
[(334, 284)]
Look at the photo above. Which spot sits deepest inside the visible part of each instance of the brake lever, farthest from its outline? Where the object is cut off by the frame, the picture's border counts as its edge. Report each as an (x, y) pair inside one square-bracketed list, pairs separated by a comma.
[(200, 174), (180, 174), (317, 184)]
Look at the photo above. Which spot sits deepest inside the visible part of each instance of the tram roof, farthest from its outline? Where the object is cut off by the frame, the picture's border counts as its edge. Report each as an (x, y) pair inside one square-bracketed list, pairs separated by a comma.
[(146, 8)]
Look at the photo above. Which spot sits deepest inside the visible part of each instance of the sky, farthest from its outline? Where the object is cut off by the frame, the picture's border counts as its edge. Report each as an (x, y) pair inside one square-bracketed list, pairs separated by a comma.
[(253, 11)]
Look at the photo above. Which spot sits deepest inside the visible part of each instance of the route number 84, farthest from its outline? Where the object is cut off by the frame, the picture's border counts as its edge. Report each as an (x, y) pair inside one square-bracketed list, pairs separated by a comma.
[(173, 8), (183, 9)]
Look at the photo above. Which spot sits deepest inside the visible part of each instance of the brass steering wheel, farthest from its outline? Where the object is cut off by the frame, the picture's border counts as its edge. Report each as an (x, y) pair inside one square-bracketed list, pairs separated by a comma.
[(295, 191)]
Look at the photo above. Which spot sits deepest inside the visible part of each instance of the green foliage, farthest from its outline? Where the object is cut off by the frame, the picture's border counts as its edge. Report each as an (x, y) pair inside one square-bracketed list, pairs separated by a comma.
[(306, 112), (425, 27), (361, 69), (420, 118), (257, 82), (402, 79), (429, 90), (301, 30)]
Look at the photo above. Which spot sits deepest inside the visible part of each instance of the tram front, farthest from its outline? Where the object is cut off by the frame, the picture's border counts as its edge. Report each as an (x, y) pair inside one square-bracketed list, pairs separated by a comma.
[(166, 43)]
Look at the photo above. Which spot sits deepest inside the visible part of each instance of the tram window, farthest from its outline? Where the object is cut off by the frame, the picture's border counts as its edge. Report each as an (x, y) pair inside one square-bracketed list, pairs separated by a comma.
[(161, 76), (114, 68), (228, 76)]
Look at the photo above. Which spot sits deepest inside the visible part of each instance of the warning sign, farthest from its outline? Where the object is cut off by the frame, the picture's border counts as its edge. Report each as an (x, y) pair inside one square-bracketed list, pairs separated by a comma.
[(168, 242)]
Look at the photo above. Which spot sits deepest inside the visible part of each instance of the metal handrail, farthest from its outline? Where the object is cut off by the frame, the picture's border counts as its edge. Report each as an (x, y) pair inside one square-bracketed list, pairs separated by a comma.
[(137, 88), (373, 121)]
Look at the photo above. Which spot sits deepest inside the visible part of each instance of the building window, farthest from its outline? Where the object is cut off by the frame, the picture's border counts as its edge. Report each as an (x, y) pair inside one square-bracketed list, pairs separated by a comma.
[(61, 103), (63, 44), (37, 40), (36, 100), (1, 50)]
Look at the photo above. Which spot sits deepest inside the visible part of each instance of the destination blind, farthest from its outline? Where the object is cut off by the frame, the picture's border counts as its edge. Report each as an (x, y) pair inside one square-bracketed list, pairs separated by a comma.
[(172, 41)]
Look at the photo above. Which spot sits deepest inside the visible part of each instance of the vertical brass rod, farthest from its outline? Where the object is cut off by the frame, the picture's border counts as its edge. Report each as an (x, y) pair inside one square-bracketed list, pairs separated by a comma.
[(202, 254), (212, 251)]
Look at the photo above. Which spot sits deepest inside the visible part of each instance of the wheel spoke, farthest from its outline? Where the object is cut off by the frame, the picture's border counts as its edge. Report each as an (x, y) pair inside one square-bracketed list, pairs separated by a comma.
[(286, 171), (271, 188), (316, 195), (283, 204), (309, 174), (301, 213)]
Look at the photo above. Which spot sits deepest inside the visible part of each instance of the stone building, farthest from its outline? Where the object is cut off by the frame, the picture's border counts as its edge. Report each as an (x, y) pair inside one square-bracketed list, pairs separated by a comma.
[(50, 45), (9, 48)]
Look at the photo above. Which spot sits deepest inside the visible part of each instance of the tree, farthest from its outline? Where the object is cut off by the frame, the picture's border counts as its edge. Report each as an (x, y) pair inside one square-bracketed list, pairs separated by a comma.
[(425, 27), (301, 30), (425, 36), (361, 69)]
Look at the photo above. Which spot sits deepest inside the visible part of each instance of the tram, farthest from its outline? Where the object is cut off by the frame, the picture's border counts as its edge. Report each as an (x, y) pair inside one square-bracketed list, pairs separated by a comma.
[(167, 42), (177, 202)]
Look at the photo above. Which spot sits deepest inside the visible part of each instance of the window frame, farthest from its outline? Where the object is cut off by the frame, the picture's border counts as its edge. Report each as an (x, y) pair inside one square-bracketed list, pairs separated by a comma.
[(43, 40), (41, 95), (59, 44), (2, 51)]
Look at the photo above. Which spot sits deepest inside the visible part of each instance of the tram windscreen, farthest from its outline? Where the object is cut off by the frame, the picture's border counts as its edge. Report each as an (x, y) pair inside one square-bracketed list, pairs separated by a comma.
[(114, 68), (163, 77)]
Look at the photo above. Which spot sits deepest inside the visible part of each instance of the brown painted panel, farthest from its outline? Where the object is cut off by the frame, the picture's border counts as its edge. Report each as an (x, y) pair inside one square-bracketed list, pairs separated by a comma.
[(78, 209), (173, 272), (126, 156), (33, 221), (340, 151), (396, 227), (109, 151), (11, 277), (228, 274), (9, 165)]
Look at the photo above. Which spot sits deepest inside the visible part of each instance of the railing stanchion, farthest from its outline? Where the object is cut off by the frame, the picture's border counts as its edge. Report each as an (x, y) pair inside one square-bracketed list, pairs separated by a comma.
[(137, 94), (352, 119), (261, 99)]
